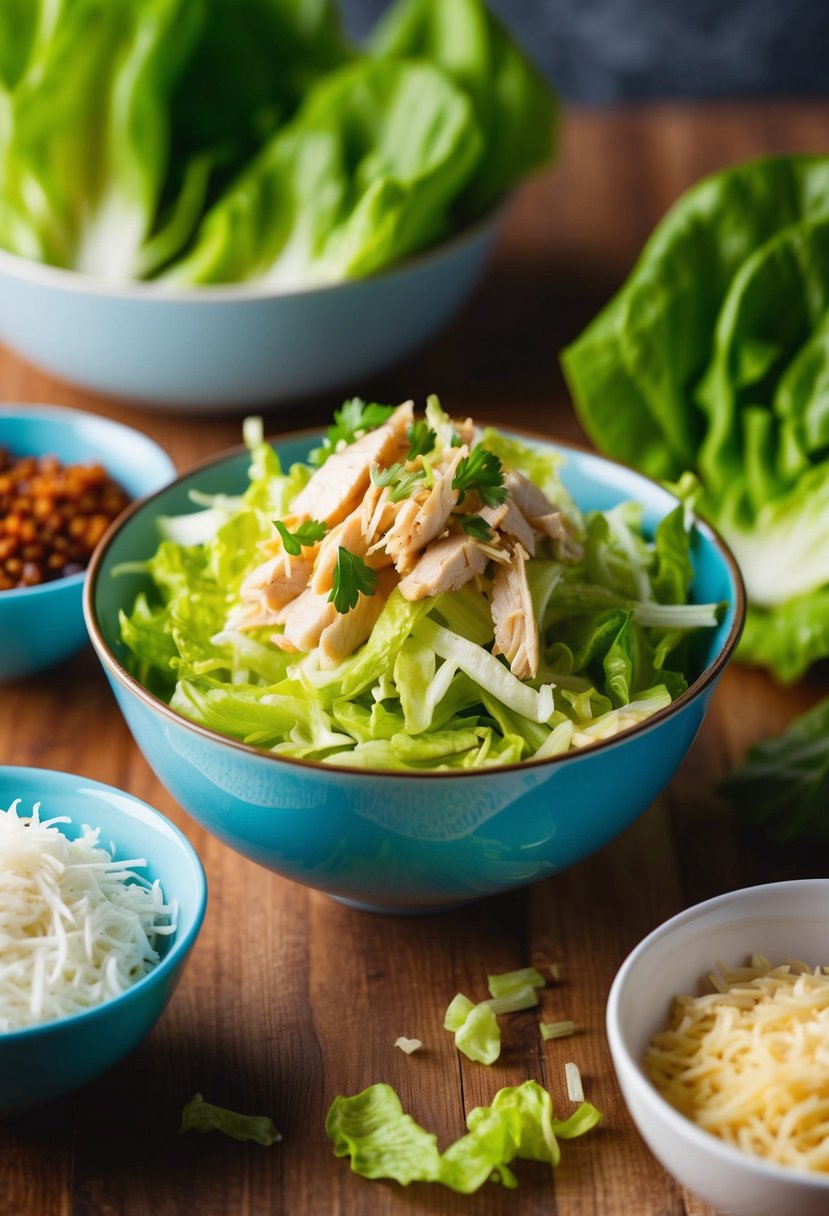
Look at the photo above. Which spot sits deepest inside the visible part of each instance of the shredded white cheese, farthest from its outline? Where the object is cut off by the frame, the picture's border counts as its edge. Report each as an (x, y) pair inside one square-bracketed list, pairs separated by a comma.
[(750, 1062), (76, 926)]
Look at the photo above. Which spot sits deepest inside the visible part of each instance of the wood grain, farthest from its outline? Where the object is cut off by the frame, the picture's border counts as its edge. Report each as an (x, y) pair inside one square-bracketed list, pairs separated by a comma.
[(290, 998)]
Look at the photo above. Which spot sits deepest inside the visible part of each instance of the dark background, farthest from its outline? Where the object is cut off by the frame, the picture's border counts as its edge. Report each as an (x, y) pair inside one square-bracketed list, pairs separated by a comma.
[(603, 51)]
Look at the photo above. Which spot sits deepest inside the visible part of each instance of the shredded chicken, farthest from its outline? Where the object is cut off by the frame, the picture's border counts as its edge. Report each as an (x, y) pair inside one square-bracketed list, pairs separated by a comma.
[(445, 566), (544, 516), (508, 519), (304, 620), (350, 534), (419, 522), (516, 631), (350, 629)]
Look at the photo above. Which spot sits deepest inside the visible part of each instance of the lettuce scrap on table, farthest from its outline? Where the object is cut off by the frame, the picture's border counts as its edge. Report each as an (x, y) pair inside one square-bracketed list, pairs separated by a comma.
[(422, 595), (714, 358), (204, 141), (383, 1142)]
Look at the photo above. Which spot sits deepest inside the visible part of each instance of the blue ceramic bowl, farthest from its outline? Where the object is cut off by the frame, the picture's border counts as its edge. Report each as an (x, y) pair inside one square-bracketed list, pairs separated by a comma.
[(41, 626), (46, 1061), (410, 841), (235, 346)]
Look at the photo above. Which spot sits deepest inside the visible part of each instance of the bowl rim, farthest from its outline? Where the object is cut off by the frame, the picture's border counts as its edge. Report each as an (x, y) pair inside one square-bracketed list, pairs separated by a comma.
[(116, 670), (44, 275), (180, 945), (35, 411), (678, 1123)]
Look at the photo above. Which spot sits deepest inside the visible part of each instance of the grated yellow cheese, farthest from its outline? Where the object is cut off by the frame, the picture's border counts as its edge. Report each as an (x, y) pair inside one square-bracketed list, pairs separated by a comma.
[(750, 1061), (76, 926)]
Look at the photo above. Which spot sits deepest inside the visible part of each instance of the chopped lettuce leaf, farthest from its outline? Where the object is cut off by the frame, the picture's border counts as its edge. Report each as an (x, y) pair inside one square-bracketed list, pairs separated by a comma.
[(383, 1142), (508, 981), (201, 1116), (479, 1038)]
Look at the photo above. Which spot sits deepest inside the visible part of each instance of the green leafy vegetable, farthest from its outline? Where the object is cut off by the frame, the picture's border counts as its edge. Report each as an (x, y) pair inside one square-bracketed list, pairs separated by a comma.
[(512, 981), (421, 439), (309, 533), (556, 1030), (400, 483), (782, 788), (479, 1036), (352, 577), (424, 691), (714, 357), (384, 1142), (201, 1116), (476, 527), (481, 471)]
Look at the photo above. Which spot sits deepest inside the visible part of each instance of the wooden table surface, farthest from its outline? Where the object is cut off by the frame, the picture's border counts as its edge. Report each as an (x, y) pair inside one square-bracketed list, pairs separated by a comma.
[(290, 998)]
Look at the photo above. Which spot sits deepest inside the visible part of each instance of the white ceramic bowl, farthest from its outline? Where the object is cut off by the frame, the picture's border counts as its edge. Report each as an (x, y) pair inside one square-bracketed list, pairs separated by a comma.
[(781, 920), (235, 346)]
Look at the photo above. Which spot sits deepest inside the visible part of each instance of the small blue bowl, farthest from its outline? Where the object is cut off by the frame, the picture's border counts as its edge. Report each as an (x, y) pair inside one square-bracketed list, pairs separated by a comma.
[(43, 625), (407, 842), (44, 1062)]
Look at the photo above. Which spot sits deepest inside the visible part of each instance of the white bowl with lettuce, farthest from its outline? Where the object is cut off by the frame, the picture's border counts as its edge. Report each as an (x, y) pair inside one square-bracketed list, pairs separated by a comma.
[(412, 734), (329, 215)]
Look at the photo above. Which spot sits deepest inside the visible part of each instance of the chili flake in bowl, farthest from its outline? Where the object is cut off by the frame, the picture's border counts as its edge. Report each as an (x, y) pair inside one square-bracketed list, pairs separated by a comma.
[(64, 477)]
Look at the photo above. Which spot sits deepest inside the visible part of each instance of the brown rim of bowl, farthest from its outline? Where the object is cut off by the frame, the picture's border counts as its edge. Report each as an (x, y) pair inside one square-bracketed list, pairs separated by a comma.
[(119, 672)]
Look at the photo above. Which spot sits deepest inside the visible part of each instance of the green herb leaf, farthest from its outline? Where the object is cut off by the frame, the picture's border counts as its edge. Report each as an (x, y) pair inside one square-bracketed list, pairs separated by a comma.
[(481, 471), (201, 1116), (476, 527), (351, 577), (421, 439), (400, 483), (308, 533), (352, 420)]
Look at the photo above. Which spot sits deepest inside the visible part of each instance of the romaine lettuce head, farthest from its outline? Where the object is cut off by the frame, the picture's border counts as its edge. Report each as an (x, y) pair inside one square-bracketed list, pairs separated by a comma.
[(714, 357), (366, 172)]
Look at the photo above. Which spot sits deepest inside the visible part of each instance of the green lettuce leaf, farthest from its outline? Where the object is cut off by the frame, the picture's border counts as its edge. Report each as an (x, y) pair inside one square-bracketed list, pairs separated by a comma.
[(513, 104), (383, 1142), (200, 1116), (782, 787), (365, 173)]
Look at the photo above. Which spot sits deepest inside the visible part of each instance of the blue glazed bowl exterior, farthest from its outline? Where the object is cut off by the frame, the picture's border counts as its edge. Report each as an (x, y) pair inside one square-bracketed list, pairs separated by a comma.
[(46, 1061), (41, 626), (408, 842), (236, 346)]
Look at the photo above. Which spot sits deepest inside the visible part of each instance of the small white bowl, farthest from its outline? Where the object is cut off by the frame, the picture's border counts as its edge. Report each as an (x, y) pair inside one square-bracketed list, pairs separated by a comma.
[(234, 346), (782, 920)]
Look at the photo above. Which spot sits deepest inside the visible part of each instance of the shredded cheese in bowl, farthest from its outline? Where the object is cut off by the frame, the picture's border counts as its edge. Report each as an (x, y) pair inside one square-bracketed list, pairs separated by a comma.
[(750, 1061), (77, 927)]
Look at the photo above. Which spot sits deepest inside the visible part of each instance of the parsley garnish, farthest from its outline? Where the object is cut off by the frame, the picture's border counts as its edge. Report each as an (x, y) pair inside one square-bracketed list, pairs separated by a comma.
[(400, 483), (481, 471), (351, 421), (351, 576), (476, 527), (306, 534), (421, 439)]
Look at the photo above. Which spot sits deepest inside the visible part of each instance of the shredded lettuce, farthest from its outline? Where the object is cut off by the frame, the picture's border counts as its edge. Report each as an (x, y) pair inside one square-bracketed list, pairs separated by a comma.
[(382, 1141), (425, 690)]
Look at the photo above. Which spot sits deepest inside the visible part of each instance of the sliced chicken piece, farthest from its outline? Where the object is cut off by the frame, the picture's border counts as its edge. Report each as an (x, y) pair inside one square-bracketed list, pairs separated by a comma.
[(557, 526), (417, 522), (401, 420), (350, 534), (249, 615), (281, 578), (350, 629), (516, 632), (467, 431), (508, 519), (304, 619), (544, 516), (445, 566), (337, 487)]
